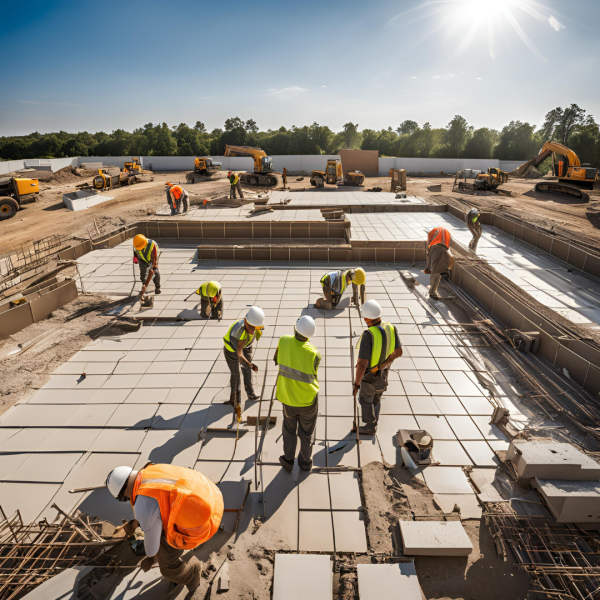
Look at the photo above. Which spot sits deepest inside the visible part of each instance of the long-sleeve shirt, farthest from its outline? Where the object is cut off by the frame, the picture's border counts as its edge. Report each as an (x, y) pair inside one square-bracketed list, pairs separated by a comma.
[(147, 513)]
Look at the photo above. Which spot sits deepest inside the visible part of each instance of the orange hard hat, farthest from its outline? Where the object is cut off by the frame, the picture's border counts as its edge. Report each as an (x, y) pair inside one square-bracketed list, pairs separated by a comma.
[(168, 183)]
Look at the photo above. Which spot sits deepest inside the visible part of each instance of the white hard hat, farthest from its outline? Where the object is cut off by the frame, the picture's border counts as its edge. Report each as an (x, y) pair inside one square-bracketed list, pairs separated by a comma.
[(117, 479), (306, 327), (256, 316), (371, 309)]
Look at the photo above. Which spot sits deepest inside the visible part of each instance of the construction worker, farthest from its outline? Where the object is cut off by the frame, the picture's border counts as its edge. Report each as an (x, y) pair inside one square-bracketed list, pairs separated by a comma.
[(145, 254), (211, 300), (439, 259), (177, 508), (238, 352), (379, 346), (334, 284), (474, 227), (234, 182), (284, 177), (177, 198), (298, 391)]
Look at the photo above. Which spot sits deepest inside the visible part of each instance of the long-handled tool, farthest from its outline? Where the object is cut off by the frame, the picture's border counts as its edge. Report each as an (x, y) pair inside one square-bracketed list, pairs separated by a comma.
[(87, 489), (147, 301)]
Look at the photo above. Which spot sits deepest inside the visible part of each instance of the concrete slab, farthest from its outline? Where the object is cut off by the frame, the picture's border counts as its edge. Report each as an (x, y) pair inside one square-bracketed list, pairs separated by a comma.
[(571, 501), (46, 468), (315, 531), (435, 538), (399, 581), (349, 531), (291, 583), (29, 498), (447, 480), (450, 454), (345, 490), (64, 586), (468, 504)]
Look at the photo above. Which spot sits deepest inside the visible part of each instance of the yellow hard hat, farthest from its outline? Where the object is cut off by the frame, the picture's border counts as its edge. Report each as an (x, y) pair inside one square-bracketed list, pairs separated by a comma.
[(359, 276), (140, 241), (213, 289)]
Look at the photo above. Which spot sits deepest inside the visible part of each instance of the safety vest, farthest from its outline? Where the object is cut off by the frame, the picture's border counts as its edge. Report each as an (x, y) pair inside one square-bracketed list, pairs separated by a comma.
[(203, 289), (191, 506), (379, 354), (239, 332), (177, 192), (297, 384), (233, 180), (439, 235), (145, 254), (472, 216), (337, 281)]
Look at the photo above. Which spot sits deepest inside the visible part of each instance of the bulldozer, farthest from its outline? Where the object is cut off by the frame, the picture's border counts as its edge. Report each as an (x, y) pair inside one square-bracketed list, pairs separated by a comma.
[(491, 180), (15, 191), (334, 175), (109, 177), (263, 165), (573, 177), (204, 169)]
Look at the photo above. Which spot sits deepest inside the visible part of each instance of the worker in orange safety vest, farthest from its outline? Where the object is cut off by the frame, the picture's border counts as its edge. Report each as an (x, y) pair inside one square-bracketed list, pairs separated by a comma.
[(439, 258), (177, 198), (177, 508)]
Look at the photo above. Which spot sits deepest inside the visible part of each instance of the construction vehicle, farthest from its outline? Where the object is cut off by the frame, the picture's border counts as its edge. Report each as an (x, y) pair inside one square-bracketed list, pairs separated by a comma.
[(109, 177), (490, 180), (15, 191), (334, 175), (572, 175), (204, 169), (263, 165)]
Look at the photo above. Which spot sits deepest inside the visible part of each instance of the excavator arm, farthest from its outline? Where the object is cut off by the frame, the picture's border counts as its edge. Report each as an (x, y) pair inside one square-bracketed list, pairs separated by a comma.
[(547, 149), (255, 153)]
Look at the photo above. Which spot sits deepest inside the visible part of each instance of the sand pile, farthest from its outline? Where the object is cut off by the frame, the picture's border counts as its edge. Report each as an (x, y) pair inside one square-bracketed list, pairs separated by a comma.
[(531, 173)]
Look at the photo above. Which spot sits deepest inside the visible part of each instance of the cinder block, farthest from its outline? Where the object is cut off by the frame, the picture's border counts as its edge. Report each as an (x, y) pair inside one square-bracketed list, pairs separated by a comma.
[(435, 538), (571, 501)]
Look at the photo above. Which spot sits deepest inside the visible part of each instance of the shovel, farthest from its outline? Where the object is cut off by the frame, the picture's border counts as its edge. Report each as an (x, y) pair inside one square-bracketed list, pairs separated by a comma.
[(146, 301)]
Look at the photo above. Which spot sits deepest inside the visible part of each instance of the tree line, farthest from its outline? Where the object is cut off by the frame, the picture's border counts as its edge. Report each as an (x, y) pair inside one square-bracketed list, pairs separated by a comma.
[(518, 140)]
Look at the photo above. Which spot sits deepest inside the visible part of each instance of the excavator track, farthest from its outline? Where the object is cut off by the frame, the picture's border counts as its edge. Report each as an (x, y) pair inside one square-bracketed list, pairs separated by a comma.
[(562, 189), (268, 180)]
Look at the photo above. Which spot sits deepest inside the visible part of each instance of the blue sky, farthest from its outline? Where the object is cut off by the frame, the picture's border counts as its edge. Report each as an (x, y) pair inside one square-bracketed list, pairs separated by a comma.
[(93, 66)]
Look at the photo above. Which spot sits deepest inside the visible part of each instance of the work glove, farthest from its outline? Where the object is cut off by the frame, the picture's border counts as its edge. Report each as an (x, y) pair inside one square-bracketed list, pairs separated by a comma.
[(147, 563), (355, 389), (127, 529), (253, 367), (135, 260)]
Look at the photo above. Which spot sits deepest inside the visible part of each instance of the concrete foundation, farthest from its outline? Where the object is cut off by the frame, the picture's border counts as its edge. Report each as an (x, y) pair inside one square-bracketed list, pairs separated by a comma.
[(435, 538), (84, 199), (571, 501), (551, 461)]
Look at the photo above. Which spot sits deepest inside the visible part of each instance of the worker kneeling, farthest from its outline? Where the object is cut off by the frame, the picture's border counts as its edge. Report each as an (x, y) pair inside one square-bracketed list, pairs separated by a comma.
[(439, 258), (238, 352), (145, 254), (335, 283), (177, 508), (211, 300), (177, 198), (298, 391), (379, 346), (474, 227)]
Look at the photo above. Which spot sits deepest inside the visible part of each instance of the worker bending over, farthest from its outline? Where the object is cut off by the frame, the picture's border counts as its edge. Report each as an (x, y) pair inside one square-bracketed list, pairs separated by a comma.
[(298, 391), (177, 508), (379, 346), (335, 283), (145, 254), (439, 259), (177, 198), (234, 182), (211, 300), (474, 227), (238, 352)]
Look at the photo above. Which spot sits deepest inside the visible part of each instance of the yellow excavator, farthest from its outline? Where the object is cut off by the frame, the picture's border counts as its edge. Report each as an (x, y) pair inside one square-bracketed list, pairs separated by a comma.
[(204, 169), (491, 180), (334, 175), (15, 191), (572, 175), (263, 165), (110, 177)]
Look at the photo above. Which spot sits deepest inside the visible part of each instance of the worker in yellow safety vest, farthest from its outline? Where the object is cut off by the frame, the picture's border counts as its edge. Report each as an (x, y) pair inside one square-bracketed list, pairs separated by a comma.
[(234, 182), (177, 508), (211, 300), (334, 284), (298, 391), (145, 254), (238, 353), (177, 198), (379, 346), (474, 227)]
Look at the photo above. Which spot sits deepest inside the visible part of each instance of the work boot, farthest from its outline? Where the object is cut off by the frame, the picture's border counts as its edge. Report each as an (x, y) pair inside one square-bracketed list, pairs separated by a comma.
[(157, 291), (306, 467), (196, 579), (435, 296), (427, 271), (285, 463), (367, 430), (253, 397)]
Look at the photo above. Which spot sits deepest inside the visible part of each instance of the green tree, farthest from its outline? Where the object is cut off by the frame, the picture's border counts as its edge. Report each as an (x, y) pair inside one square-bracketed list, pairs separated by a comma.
[(482, 143), (585, 142), (164, 142), (517, 141), (457, 135), (351, 136), (407, 127), (560, 124)]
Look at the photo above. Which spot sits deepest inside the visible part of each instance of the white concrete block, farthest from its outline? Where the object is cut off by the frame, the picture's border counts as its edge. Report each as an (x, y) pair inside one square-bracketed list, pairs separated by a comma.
[(302, 576), (376, 582), (435, 538)]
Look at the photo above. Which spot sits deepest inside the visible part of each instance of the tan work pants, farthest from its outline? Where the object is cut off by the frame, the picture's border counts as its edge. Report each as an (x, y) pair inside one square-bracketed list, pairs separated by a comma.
[(172, 567)]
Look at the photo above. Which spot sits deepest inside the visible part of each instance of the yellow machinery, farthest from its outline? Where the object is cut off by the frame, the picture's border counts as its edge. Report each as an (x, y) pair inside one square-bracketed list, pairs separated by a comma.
[(263, 165), (334, 175), (15, 191), (109, 177), (572, 175), (490, 180), (204, 169)]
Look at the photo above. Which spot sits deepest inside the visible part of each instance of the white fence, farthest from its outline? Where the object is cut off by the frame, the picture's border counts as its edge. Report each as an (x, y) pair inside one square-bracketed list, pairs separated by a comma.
[(435, 166)]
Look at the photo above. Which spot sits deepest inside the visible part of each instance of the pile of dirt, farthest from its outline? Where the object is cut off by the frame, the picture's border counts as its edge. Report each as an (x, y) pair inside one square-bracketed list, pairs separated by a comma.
[(593, 213), (70, 175), (531, 173)]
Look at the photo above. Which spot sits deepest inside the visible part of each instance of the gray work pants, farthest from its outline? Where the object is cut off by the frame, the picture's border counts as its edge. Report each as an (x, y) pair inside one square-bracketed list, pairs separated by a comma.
[(475, 229), (145, 270), (438, 261), (233, 362), (372, 387), (208, 311), (299, 422), (238, 187)]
